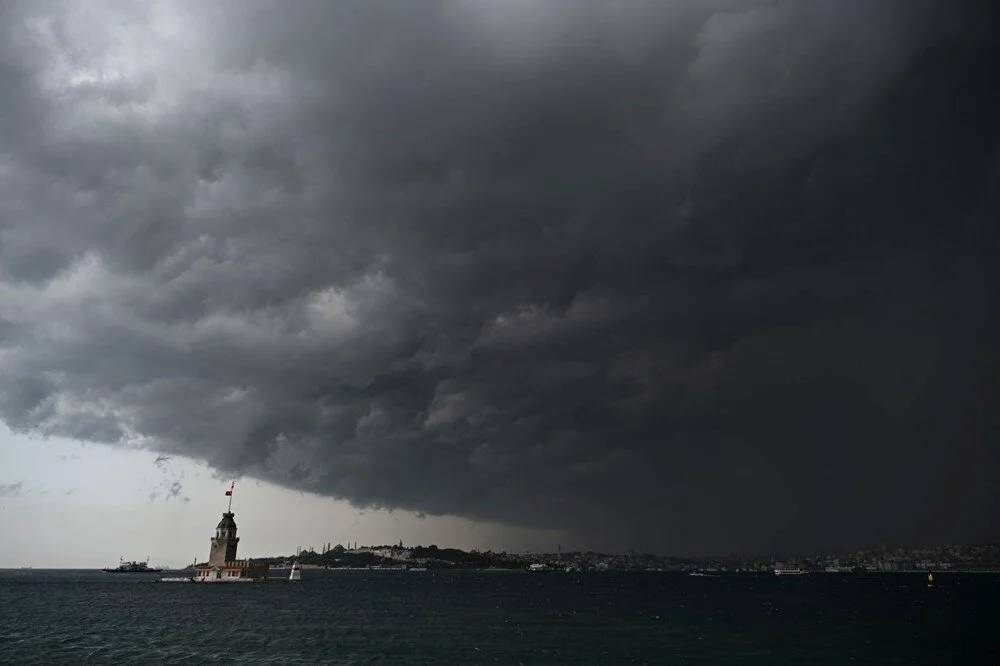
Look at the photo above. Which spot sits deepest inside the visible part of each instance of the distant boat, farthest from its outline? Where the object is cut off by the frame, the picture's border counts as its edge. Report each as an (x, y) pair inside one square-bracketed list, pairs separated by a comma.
[(132, 567), (296, 573), (704, 574), (538, 567), (789, 571)]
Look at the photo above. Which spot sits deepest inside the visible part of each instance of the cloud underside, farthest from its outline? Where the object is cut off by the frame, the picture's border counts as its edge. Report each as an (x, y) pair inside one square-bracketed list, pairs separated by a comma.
[(688, 277)]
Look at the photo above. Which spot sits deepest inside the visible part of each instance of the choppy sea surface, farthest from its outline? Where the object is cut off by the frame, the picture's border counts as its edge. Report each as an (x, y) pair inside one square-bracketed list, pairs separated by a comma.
[(395, 617)]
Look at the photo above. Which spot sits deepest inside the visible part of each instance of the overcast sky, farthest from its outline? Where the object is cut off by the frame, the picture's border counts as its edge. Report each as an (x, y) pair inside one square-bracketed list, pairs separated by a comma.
[(78, 505), (689, 277)]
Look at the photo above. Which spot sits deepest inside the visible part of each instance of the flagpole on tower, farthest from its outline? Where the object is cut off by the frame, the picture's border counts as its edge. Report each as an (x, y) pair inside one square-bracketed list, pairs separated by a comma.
[(229, 493)]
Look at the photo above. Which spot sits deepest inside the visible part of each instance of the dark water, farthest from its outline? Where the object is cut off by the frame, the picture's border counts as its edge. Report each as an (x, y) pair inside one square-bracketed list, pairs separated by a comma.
[(388, 617)]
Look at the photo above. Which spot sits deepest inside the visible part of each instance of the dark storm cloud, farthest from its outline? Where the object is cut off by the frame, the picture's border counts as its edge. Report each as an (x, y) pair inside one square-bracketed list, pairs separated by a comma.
[(687, 276)]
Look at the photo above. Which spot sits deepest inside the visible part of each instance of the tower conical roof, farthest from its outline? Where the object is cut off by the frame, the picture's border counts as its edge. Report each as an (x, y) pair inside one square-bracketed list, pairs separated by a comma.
[(227, 521)]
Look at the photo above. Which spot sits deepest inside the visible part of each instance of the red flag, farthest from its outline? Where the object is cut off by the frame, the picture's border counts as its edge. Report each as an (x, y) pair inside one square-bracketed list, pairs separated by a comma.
[(229, 493)]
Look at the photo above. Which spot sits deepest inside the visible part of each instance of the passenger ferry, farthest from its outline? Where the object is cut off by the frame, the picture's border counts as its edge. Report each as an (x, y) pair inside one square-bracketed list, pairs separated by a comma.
[(131, 567)]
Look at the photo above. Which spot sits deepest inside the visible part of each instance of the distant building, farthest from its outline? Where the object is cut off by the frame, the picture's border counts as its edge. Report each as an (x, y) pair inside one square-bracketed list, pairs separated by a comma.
[(222, 565), (392, 552)]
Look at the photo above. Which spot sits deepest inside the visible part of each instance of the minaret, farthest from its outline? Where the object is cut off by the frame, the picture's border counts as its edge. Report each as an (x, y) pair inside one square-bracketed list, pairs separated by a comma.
[(224, 542)]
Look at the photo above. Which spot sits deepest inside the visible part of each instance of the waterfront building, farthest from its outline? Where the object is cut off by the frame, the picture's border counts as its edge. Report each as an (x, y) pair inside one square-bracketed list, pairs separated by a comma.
[(222, 565)]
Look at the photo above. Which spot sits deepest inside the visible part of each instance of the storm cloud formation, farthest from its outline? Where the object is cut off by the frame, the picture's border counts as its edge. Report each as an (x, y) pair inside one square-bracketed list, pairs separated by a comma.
[(688, 277)]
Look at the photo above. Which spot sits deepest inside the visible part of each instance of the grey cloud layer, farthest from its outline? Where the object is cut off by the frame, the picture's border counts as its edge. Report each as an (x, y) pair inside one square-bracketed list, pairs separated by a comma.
[(689, 277)]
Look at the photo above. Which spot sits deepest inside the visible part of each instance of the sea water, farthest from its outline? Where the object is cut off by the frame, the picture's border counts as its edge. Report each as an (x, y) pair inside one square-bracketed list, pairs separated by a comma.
[(480, 617)]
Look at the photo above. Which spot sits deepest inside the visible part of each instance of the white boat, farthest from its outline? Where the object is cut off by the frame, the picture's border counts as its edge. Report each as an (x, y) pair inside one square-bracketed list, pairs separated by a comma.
[(789, 571), (296, 573)]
